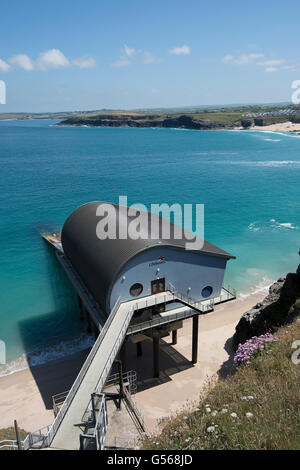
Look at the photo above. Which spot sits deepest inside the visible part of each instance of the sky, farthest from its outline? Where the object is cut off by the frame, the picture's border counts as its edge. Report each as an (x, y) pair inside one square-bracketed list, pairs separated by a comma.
[(86, 55)]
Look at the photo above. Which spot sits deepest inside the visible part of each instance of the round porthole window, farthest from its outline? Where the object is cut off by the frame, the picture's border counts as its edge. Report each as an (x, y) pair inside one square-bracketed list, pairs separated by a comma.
[(207, 291), (136, 289)]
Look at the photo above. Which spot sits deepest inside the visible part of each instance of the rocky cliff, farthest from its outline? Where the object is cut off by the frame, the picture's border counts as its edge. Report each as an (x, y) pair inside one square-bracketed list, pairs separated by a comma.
[(280, 306), (182, 122)]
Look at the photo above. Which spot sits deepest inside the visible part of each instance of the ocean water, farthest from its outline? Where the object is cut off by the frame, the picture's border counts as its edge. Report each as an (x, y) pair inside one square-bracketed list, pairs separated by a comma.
[(249, 182)]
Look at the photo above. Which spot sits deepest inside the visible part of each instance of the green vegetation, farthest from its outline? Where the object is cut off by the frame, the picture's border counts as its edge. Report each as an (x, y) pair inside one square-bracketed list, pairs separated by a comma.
[(258, 407), (220, 116), (10, 435)]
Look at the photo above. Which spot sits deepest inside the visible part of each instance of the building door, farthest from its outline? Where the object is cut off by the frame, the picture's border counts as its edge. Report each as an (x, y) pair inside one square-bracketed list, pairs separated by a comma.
[(158, 285)]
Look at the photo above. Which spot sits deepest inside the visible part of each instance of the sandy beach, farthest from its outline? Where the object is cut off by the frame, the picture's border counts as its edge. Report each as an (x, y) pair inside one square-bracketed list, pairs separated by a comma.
[(27, 395), (280, 127)]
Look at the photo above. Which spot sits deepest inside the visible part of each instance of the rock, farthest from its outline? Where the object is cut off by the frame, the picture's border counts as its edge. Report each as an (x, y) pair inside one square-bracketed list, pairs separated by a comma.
[(182, 122), (280, 306)]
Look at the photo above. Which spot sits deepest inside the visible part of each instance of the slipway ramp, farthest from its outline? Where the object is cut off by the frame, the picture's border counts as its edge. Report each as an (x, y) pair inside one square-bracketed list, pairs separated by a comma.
[(71, 420), (69, 424)]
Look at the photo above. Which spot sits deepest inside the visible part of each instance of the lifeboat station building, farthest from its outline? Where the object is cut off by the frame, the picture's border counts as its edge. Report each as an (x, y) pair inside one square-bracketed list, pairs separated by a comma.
[(162, 281)]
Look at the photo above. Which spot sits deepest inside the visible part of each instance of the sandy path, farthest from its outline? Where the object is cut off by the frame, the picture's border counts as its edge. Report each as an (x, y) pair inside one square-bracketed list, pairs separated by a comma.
[(26, 395)]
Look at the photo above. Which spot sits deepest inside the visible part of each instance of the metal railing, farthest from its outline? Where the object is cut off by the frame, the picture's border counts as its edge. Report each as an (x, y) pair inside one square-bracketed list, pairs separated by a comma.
[(129, 381), (193, 303), (96, 440), (37, 437), (8, 444), (230, 289), (81, 375), (114, 352), (136, 414), (58, 400), (159, 320)]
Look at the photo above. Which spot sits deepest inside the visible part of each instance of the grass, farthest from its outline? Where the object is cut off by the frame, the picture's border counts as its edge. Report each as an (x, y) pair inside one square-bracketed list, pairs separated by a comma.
[(273, 382)]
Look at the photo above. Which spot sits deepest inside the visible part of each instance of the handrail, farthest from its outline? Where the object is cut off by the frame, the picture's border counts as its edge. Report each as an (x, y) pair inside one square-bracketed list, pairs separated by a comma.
[(8, 444), (113, 352), (159, 321), (60, 415), (185, 298), (100, 429), (136, 412), (230, 289)]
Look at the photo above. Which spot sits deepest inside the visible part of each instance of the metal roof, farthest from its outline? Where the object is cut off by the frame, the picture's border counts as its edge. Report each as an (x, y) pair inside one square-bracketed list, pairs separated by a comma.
[(99, 262)]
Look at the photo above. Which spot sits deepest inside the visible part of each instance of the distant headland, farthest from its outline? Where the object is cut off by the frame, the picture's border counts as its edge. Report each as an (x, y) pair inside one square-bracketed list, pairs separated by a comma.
[(244, 117), (273, 117)]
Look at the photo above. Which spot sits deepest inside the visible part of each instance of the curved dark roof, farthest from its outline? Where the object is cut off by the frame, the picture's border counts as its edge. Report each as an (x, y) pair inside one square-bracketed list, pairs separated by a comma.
[(99, 261)]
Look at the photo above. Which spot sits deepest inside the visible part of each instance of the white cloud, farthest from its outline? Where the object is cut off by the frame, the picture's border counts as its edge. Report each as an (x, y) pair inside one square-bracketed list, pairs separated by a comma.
[(242, 59), (4, 66), (271, 63), (148, 58), (289, 67), (52, 59), (22, 61), (129, 52), (121, 62), (271, 69), (180, 50), (125, 58), (228, 59), (84, 62)]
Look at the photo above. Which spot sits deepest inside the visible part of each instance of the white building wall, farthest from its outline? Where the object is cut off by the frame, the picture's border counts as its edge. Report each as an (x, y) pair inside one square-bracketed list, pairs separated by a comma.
[(183, 269)]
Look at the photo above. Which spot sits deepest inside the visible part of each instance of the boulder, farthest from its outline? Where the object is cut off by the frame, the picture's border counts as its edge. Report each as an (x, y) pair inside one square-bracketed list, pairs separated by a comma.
[(280, 306)]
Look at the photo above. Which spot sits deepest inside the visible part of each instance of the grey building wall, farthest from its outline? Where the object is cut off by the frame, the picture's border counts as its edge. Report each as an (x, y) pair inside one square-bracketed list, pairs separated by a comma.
[(181, 268)]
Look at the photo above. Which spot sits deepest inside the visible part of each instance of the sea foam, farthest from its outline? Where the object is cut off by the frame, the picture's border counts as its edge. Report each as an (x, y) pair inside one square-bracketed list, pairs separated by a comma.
[(61, 350)]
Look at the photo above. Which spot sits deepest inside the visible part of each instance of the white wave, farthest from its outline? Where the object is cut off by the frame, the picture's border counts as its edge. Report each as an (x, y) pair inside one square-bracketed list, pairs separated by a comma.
[(51, 353), (288, 225), (272, 224), (272, 140), (261, 288), (265, 163)]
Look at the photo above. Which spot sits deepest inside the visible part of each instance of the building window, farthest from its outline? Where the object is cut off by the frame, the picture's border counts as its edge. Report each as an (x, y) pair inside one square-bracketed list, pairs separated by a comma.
[(136, 289), (207, 291)]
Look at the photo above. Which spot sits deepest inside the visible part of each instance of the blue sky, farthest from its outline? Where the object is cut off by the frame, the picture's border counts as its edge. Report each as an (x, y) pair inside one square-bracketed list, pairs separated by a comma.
[(80, 55)]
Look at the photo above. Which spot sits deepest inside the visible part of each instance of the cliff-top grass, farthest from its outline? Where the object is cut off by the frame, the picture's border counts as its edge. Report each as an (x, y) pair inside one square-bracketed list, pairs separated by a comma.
[(256, 408)]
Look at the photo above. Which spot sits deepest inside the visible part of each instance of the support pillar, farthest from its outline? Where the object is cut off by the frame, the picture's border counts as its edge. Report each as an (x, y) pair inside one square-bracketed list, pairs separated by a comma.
[(123, 355), (95, 331), (156, 356), (174, 337), (88, 322), (80, 308), (17, 435), (195, 339), (139, 349), (121, 383)]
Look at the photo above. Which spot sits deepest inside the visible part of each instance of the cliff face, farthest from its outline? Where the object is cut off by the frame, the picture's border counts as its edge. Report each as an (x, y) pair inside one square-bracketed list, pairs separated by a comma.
[(181, 122), (280, 306)]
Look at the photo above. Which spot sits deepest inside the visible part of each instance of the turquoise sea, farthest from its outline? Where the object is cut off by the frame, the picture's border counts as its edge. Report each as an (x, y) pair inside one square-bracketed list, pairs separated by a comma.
[(249, 182)]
